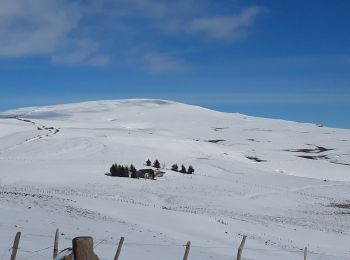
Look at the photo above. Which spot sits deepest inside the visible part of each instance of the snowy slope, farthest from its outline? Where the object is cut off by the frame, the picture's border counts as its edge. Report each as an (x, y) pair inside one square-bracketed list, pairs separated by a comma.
[(53, 160)]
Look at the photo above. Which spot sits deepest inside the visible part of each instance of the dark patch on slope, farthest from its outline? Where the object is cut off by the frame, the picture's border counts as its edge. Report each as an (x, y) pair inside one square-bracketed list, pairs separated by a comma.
[(219, 128), (216, 141), (345, 207), (347, 164), (314, 157), (316, 149), (255, 159)]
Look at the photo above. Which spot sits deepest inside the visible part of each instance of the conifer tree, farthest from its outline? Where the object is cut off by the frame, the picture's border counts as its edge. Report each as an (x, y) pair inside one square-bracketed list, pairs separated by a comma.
[(148, 162), (113, 170), (190, 170), (183, 169), (125, 172), (174, 167), (132, 169), (120, 170), (156, 164)]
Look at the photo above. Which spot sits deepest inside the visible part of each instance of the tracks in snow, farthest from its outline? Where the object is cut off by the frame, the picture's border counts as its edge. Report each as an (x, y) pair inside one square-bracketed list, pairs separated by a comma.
[(49, 131)]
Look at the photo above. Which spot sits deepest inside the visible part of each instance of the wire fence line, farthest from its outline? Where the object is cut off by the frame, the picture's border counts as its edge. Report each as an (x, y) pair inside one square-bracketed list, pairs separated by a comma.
[(35, 251), (46, 252), (31, 253), (131, 243), (99, 243)]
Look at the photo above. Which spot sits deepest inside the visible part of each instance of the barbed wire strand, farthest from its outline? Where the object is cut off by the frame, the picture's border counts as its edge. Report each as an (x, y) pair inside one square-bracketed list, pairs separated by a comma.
[(35, 252), (103, 240)]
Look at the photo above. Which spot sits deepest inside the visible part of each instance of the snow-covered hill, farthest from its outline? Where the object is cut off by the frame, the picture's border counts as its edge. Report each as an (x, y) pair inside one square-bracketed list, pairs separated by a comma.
[(277, 181)]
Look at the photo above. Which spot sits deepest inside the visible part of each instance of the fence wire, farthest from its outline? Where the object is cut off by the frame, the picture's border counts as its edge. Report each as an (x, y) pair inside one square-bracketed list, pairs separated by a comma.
[(107, 241)]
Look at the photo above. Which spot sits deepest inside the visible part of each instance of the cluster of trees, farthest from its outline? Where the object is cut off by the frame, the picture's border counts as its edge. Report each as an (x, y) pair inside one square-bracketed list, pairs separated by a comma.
[(118, 170), (156, 163), (175, 168)]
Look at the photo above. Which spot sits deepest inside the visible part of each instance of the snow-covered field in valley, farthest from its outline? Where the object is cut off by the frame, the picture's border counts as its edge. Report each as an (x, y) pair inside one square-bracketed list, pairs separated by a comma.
[(283, 184)]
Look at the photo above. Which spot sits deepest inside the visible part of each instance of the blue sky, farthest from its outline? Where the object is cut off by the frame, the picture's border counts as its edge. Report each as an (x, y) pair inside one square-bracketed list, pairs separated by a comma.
[(281, 59)]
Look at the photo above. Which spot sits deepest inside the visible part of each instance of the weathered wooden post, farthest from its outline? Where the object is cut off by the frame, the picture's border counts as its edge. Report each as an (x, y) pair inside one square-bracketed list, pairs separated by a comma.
[(240, 249), (83, 249), (117, 254), (55, 245), (15, 246), (305, 253), (187, 250)]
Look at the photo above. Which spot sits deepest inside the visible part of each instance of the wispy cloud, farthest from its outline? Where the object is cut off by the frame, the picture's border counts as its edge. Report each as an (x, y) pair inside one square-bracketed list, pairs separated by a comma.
[(101, 32), (80, 51), (46, 27), (223, 27)]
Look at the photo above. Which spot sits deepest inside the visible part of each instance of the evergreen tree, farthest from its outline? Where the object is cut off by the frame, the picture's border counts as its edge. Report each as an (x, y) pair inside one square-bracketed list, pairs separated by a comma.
[(183, 169), (113, 170), (148, 162), (190, 170), (174, 167), (132, 169), (125, 172), (120, 170), (156, 164)]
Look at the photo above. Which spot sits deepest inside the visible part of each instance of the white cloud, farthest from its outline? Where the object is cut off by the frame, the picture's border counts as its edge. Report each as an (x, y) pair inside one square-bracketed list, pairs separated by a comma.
[(44, 27), (220, 27), (34, 27), (100, 32)]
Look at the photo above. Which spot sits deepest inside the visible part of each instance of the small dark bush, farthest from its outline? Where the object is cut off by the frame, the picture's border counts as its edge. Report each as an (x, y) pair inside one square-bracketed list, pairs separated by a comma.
[(190, 170)]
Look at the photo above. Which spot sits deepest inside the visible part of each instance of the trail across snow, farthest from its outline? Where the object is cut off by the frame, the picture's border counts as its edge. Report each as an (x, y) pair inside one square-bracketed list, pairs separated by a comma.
[(44, 132), (276, 181)]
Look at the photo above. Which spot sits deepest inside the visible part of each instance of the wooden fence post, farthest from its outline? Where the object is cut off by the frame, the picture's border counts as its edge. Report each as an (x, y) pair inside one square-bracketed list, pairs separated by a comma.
[(15, 246), (240, 249), (55, 245), (83, 249), (305, 253), (187, 250), (117, 254)]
